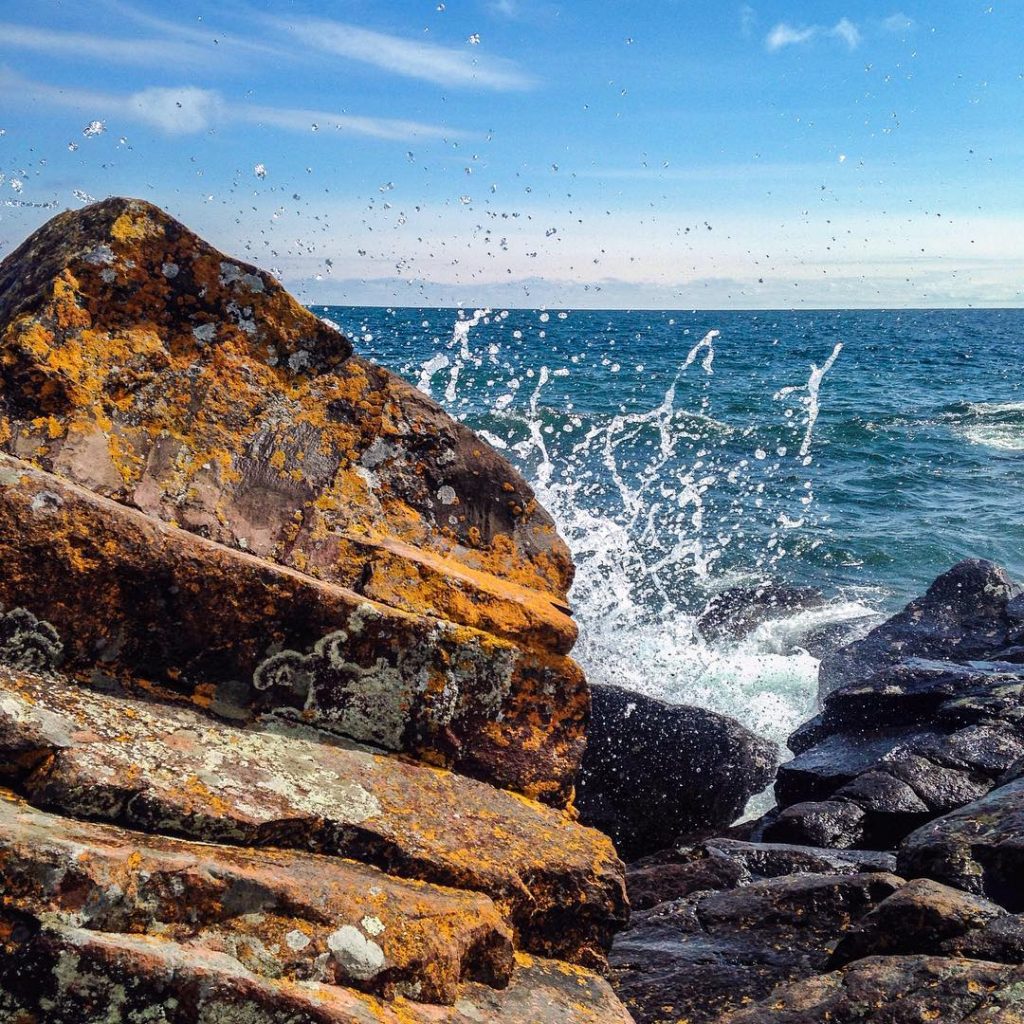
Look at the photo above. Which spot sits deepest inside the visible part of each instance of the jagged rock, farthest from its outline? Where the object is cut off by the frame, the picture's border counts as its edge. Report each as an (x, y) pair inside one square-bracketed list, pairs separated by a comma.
[(962, 617), (921, 917), (168, 769), (67, 975), (726, 863), (280, 913), (897, 990), (654, 771), (978, 848), (740, 610), (222, 418), (834, 823), (698, 958)]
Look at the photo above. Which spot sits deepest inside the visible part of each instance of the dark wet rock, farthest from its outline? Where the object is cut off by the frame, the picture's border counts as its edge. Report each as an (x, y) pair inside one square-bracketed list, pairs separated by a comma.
[(697, 958), (740, 610), (833, 823), (962, 617), (718, 864), (654, 771), (921, 917), (897, 990), (978, 848)]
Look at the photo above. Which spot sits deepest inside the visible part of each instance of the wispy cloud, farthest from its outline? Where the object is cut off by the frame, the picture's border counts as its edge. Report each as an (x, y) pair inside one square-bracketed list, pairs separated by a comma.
[(898, 22), (784, 34), (145, 52), (412, 58), (748, 20), (187, 110), (846, 30)]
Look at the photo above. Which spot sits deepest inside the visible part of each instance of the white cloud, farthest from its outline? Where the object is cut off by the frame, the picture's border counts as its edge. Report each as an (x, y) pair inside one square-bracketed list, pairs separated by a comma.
[(146, 52), (748, 19), (188, 109), (898, 22), (786, 35), (846, 30), (412, 58)]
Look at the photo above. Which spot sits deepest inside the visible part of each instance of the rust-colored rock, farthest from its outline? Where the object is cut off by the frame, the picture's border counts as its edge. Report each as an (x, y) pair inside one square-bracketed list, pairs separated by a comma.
[(170, 769), (281, 914), (134, 597), (64, 975), (144, 364)]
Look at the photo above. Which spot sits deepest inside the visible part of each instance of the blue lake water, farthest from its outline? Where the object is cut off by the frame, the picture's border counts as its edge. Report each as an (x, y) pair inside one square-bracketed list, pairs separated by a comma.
[(678, 462)]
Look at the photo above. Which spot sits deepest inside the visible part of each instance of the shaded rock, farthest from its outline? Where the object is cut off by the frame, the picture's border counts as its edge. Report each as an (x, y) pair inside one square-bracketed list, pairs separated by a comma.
[(834, 823), (171, 770), (920, 917), (896, 990), (978, 848), (69, 975), (274, 911), (698, 958), (718, 864), (654, 771), (740, 610), (962, 617), (133, 597)]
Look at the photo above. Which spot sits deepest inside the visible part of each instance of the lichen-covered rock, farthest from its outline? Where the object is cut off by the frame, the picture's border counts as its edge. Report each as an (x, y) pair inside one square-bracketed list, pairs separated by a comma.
[(65, 975), (142, 363), (281, 914), (166, 769), (133, 597), (654, 772)]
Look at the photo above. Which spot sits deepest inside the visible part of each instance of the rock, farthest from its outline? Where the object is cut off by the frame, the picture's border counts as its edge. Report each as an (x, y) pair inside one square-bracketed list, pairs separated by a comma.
[(134, 597), (978, 848), (696, 959), (654, 771), (718, 864), (962, 617), (921, 917), (168, 769), (272, 910), (67, 975), (834, 823), (236, 435), (896, 990), (735, 612), (140, 362)]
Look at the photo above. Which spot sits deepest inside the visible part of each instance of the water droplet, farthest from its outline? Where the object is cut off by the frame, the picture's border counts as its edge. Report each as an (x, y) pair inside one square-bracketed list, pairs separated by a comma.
[(260, 171), (474, 39), (94, 128)]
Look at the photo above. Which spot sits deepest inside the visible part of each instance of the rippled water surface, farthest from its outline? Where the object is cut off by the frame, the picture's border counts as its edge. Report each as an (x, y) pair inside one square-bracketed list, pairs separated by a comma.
[(861, 452)]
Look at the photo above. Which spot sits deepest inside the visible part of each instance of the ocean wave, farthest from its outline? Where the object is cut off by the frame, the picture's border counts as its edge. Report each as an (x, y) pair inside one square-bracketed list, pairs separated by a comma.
[(1006, 437), (996, 425)]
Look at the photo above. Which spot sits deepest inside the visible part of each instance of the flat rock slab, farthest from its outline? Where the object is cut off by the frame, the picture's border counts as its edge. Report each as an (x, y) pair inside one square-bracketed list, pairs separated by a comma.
[(131, 596), (281, 913), (140, 362), (898, 990), (65, 975), (169, 769)]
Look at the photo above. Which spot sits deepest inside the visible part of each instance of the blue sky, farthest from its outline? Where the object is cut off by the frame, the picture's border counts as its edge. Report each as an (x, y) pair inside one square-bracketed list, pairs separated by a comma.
[(536, 152)]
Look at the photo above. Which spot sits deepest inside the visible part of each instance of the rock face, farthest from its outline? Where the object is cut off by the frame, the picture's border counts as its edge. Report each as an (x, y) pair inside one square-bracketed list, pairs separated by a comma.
[(740, 610), (141, 364), (287, 725), (654, 771)]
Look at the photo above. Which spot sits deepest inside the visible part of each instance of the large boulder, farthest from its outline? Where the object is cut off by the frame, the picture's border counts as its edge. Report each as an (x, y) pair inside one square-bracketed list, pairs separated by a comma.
[(205, 488), (962, 617), (288, 729), (654, 771)]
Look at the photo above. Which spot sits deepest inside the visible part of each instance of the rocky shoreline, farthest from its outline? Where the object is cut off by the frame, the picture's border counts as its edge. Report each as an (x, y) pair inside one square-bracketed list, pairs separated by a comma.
[(289, 729)]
